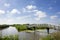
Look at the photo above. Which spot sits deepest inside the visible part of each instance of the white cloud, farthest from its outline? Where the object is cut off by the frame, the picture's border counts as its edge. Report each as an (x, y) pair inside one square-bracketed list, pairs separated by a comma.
[(37, 18), (6, 20), (6, 4), (31, 7), (40, 14), (53, 17), (23, 17), (2, 12), (12, 20), (26, 10), (15, 11), (35, 10)]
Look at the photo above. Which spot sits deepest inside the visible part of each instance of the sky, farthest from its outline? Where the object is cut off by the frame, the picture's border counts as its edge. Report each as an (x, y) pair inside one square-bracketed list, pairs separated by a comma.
[(29, 11)]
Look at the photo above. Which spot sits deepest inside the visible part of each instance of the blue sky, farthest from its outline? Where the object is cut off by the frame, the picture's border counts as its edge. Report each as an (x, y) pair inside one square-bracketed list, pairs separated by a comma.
[(29, 11)]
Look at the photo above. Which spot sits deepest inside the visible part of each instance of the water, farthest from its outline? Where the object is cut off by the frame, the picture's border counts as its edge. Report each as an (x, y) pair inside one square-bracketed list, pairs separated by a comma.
[(28, 36), (34, 36), (9, 31), (0, 33), (25, 35)]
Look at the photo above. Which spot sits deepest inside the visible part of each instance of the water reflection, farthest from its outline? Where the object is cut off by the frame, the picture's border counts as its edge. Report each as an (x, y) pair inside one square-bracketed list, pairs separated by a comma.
[(34, 36), (25, 35), (9, 31), (28, 36)]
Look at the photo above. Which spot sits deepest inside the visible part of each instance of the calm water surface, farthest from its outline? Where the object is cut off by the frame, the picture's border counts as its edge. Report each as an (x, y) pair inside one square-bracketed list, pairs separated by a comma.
[(26, 35), (34, 35)]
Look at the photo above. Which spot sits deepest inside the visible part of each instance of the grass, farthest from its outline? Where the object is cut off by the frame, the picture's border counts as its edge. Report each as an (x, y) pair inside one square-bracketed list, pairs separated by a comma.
[(11, 37), (53, 36), (47, 38), (56, 35)]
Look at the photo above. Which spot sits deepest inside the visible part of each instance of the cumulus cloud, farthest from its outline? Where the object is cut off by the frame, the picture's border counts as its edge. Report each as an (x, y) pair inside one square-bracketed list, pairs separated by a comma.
[(40, 14), (53, 17), (6, 4), (31, 7), (37, 13), (15, 11), (2, 12), (12, 13), (11, 19)]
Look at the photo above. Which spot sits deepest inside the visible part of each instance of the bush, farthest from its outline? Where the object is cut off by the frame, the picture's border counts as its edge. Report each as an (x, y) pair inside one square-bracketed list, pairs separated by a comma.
[(20, 27)]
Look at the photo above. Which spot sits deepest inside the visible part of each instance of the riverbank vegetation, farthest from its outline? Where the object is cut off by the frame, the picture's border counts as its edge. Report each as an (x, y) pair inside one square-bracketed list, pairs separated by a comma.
[(53, 36), (11, 37), (3, 26), (22, 27), (32, 26)]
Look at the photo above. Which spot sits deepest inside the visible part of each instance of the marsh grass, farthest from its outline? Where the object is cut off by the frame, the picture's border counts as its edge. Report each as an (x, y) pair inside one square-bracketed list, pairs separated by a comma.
[(11, 37), (56, 35), (53, 36), (47, 38)]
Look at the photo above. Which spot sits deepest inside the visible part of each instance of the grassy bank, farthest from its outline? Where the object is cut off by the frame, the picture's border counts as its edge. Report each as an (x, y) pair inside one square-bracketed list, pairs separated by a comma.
[(53, 36), (11, 37)]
